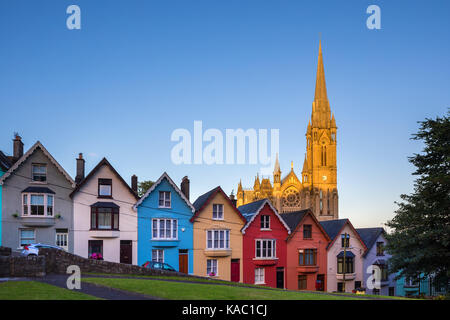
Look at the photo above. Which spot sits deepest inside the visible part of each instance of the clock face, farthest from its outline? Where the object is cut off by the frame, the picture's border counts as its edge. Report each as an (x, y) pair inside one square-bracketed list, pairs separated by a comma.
[(324, 178)]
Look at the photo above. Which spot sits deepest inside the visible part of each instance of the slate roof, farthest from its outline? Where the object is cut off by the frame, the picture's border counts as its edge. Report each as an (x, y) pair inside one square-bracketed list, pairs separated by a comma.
[(38, 190), (348, 254), (5, 164), (250, 209), (332, 227), (292, 219), (203, 198), (370, 235), (101, 204)]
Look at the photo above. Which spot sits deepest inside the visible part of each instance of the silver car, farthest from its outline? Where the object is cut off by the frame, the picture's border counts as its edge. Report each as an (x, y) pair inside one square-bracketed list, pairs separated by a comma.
[(33, 249)]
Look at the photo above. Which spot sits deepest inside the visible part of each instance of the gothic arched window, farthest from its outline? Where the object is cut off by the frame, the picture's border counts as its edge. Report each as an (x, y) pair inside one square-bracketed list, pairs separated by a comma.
[(324, 155)]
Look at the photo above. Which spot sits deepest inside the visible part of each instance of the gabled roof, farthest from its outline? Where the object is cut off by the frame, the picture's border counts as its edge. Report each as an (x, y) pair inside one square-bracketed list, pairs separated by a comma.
[(335, 227), (294, 219), (205, 198), (24, 157), (175, 187), (103, 162), (5, 164), (370, 235), (251, 210)]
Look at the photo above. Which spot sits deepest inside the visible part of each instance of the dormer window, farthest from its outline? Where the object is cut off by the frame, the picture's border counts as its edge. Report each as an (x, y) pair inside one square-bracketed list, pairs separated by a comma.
[(265, 222), (164, 199), (218, 211), (39, 172), (104, 187)]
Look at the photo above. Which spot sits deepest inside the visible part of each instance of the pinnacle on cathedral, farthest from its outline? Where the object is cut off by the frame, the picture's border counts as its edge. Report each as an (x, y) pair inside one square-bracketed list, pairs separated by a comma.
[(317, 190)]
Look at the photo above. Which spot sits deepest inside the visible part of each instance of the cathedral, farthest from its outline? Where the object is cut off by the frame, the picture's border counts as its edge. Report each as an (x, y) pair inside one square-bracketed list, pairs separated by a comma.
[(317, 188)]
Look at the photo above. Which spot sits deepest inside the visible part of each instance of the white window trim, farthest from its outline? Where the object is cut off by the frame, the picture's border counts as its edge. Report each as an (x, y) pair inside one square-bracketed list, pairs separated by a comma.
[(32, 173), (158, 255), (222, 206), (273, 251), (217, 267), (224, 239), (266, 229), (263, 276), (65, 234), (164, 202), (158, 229), (20, 236), (29, 194)]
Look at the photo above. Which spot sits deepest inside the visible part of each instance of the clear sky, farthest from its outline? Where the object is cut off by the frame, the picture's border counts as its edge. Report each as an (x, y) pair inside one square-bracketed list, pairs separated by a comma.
[(137, 70)]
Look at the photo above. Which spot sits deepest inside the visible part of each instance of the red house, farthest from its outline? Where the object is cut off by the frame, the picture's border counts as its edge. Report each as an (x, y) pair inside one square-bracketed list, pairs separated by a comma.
[(264, 245), (306, 252)]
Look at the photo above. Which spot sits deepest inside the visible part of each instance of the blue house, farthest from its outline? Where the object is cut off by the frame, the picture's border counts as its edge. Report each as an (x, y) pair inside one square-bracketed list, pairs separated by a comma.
[(375, 241), (165, 233), (427, 286)]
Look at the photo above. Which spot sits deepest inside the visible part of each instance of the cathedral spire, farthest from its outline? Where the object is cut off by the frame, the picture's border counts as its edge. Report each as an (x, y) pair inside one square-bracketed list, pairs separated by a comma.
[(276, 169), (321, 88)]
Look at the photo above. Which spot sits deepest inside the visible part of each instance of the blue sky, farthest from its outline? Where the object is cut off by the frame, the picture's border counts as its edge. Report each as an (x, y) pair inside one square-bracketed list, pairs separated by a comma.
[(137, 70)]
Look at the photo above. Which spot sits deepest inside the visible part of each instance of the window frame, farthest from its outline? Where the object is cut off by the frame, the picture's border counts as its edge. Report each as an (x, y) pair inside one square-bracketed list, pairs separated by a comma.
[(261, 249), (211, 267), (347, 242), (213, 240), (173, 222), (349, 261), (303, 254), (380, 248), (217, 217), (305, 230), (20, 236), (65, 236), (45, 206), (165, 199), (115, 212), (260, 275), (265, 222), (33, 165), (159, 255), (104, 182)]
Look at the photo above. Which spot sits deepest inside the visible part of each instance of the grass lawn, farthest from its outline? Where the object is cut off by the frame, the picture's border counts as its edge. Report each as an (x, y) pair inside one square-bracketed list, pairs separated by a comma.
[(192, 291), (33, 290)]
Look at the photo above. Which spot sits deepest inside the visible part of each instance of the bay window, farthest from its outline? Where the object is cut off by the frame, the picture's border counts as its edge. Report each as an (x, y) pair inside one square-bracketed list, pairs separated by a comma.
[(34, 204), (104, 218), (348, 265), (164, 229), (218, 239), (265, 248), (307, 257)]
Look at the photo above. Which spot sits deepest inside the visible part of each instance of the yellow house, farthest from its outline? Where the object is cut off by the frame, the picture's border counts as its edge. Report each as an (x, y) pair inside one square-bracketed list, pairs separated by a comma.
[(217, 237)]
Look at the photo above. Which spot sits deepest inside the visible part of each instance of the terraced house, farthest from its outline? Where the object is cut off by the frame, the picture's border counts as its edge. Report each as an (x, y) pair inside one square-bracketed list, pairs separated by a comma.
[(104, 220), (264, 245), (217, 227), (344, 256), (164, 230), (36, 206)]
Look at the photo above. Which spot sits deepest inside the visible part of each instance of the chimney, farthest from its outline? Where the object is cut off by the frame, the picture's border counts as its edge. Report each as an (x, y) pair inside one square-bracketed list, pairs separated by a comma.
[(17, 147), (134, 183), (185, 186), (80, 169), (233, 199)]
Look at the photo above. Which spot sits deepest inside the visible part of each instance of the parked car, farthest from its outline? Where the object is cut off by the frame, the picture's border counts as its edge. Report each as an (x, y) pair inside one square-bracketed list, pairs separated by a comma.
[(33, 249), (158, 265)]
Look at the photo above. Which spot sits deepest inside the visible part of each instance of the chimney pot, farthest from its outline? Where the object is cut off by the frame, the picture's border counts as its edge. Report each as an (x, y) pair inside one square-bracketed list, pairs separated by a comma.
[(80, 168), (17, 147)]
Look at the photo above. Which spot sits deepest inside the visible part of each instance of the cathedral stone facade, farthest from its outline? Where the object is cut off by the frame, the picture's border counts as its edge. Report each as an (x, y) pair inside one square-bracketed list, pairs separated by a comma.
[(317, 188)]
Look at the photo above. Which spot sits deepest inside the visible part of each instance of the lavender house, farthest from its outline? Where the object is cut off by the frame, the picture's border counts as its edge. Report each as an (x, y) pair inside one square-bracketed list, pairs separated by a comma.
[(375, 255)]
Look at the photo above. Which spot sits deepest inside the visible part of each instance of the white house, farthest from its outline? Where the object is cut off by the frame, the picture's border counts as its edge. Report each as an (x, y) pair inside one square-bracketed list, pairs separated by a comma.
[(104, 220), (345, 240)]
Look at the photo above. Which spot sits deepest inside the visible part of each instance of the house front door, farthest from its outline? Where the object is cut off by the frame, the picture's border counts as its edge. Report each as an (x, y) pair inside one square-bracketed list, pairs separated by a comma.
[(320, 282), (183, 261), (280, 278), (235, 272), (126, 251)]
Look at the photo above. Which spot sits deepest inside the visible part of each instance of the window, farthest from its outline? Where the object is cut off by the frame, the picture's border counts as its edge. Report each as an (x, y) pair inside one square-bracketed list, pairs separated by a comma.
[(27, 236), (95, 246), (37, 204), (345, 240), (324, 155), (357, 285), (164, 229), (380, 249), (164, 199), (265, 249), (211, 267), (104, 187), (218, 211), (376, 291), (265, 222), (302, 282), (348, 265), (62, 237), (384, 272), (218, 239), (259, 276), (307, 257), (321, 201), (158, 255), (39, 172), (104, 218), (307, 231)]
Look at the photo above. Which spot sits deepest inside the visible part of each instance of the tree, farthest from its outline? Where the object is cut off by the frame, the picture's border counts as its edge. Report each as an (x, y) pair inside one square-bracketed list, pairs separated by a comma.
[(143, 186), (420, 240)]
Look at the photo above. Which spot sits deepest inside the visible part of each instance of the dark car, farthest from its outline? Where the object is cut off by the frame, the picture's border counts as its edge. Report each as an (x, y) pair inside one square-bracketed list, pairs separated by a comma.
[(158, 265)]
